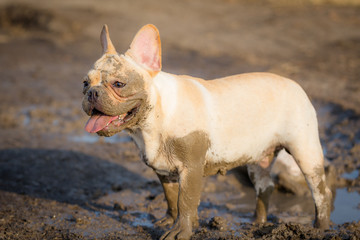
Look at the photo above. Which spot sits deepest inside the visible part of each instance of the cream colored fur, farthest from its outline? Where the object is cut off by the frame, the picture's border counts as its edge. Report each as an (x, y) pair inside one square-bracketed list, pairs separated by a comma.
[(242, 115)]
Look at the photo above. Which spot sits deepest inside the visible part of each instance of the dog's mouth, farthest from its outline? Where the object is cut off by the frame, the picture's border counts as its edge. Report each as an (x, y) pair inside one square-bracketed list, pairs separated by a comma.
[(101, 122)]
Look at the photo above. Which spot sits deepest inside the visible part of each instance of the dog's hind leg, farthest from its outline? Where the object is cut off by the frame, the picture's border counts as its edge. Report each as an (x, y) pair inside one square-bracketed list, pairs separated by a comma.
[(260, 177), (308, 155)]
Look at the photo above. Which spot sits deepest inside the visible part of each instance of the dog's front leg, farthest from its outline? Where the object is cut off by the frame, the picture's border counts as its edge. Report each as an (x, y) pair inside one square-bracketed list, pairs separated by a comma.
[(171, 191), (191, 151), (190, 185)]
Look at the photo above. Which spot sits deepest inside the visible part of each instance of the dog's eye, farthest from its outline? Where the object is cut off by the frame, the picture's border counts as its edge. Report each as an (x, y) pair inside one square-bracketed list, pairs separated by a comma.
[(118, 84), (86, 84)]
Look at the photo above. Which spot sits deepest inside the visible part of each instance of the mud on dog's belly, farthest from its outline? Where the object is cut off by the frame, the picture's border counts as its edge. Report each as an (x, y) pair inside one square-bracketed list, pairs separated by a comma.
[(214, 167)]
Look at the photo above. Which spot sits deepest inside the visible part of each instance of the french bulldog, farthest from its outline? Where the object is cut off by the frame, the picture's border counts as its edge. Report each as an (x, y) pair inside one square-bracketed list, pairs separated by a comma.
[(187, 128)]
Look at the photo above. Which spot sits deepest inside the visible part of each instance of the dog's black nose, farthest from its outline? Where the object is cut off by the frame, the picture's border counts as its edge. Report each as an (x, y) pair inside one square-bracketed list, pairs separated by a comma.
[(93, 95)]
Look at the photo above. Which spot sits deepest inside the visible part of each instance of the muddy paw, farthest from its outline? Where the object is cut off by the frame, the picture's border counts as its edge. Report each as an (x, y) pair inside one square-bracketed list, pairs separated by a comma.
[(165, 221), (181, 230), (260, 218), (322, 224)]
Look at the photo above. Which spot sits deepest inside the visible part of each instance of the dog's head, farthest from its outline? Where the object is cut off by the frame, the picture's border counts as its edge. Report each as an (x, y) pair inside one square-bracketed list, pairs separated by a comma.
[(116, 89)]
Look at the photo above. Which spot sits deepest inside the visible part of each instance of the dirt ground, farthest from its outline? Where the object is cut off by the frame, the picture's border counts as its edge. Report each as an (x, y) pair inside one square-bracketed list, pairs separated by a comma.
[(57, 182)]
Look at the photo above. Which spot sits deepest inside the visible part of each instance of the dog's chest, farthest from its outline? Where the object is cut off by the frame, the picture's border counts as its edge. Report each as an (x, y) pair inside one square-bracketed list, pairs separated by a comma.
[(154, 154)]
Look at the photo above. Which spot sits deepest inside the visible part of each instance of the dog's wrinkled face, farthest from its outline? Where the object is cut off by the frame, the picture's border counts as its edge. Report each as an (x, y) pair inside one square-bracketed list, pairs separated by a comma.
[(115, 92), (114, 96)]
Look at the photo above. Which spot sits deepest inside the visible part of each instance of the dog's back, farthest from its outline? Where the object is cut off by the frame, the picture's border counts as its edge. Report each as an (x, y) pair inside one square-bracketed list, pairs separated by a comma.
[(242, 115)]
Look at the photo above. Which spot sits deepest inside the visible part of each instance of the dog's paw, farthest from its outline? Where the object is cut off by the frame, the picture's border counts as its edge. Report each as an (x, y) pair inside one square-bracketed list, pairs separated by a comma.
[(181, 230), (167, 220)]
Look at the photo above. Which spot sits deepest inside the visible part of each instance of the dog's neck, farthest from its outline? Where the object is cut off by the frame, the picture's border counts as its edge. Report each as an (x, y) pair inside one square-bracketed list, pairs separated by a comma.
[(161, 89), (162, 98)]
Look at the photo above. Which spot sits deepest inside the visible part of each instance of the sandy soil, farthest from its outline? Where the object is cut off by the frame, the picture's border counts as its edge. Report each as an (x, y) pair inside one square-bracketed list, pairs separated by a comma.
[(56, 182)]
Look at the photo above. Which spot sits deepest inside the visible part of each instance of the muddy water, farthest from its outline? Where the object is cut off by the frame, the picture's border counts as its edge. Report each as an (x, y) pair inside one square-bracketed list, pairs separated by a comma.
[(347, 202), (346, 206)]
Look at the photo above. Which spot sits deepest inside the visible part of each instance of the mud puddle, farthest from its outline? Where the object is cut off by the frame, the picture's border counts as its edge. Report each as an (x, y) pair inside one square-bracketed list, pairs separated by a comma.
[(346, 206), (352, 175)]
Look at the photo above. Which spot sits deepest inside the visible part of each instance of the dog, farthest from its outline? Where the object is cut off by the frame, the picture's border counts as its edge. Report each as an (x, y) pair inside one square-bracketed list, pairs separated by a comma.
[(187, 128)]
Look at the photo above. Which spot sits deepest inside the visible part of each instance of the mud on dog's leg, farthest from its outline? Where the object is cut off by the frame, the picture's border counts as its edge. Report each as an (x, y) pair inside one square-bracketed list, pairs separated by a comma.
[(171, 191), (264, 186), (190, 150), (311, 163), (189, 198)]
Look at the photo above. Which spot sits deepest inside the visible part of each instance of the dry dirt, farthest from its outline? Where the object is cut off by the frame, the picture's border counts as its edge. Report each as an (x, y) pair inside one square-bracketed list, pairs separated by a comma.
[(56, 182)]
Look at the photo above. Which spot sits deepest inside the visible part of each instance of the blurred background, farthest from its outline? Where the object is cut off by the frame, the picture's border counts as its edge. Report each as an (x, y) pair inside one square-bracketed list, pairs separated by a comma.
[(58, 182)]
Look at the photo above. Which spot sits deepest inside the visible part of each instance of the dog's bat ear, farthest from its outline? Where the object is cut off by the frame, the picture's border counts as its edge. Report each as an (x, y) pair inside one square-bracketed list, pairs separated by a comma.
[(107, 46), (145, 49)]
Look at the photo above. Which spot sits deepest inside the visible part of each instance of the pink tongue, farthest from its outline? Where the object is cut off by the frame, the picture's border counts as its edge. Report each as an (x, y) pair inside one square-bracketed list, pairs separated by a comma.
[(98, 122)]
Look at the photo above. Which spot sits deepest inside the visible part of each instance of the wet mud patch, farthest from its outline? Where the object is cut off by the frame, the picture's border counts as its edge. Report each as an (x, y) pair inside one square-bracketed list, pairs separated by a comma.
[(64, 176), (65, 195), (340, 135), (343, 55)]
